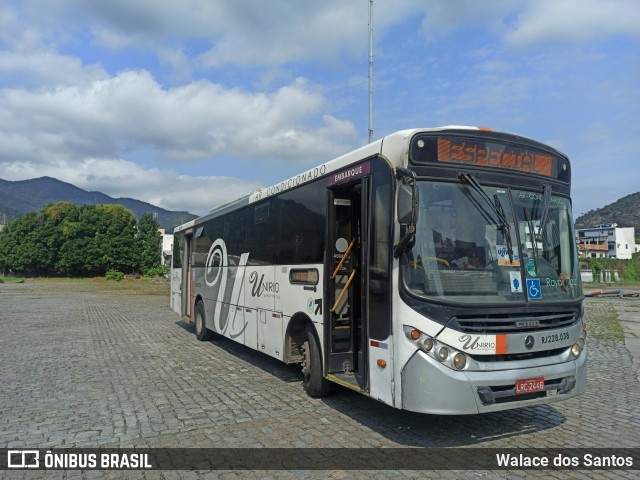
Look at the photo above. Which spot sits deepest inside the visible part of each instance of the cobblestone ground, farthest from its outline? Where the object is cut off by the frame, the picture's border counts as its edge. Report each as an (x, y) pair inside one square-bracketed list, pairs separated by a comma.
[(85, 366)]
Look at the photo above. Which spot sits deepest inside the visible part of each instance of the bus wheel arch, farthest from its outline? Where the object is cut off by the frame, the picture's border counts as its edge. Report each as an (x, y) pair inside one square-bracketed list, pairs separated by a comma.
[(313, 379), (295, 337), (303, 347), (199, 319)]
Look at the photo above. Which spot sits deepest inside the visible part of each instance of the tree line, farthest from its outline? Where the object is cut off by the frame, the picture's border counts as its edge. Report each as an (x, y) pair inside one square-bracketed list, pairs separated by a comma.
[(81, 240)]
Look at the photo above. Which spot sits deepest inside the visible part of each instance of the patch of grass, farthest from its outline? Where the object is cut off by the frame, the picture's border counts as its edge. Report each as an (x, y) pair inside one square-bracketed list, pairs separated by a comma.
[(602, 320), (11, 279), (128, 285), (58, 279), (141, 286)]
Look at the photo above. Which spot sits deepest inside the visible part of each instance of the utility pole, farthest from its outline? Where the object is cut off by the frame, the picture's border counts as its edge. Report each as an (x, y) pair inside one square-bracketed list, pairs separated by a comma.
[(370, 71)]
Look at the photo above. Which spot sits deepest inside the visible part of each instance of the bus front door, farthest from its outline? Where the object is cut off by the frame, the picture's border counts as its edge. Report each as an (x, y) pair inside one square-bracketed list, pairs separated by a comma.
[(344, 326)]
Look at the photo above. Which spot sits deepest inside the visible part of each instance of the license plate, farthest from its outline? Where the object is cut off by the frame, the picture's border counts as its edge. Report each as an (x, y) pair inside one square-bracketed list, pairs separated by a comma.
[(529, 385)]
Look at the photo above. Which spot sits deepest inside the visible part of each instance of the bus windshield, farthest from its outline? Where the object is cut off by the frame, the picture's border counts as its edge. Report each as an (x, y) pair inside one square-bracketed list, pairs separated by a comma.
[(491, 245)]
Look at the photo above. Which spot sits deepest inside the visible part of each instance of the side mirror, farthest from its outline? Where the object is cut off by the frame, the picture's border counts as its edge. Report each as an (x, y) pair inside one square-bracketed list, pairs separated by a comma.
[(407, 207)]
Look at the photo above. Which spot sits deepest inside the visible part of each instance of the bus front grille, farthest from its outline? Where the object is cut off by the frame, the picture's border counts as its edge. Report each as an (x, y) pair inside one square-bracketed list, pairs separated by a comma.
[(496, 323), (514, 357)]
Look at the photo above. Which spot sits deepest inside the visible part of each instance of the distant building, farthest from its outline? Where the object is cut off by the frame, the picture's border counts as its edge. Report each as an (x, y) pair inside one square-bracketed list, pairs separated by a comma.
[(607, 240)]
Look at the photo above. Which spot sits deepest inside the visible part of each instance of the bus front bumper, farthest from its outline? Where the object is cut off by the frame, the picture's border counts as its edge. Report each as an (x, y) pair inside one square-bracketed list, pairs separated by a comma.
[(431, 387)]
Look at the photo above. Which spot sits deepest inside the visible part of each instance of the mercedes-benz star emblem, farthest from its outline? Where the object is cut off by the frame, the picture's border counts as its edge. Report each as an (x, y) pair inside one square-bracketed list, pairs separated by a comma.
[(529, 342)]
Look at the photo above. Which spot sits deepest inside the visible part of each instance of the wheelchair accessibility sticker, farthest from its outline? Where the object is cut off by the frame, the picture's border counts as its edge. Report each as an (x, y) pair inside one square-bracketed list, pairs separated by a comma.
[(534, 292)]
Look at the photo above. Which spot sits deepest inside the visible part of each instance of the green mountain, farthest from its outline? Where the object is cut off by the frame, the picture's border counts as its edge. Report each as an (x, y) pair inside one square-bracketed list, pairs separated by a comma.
[(18, 198), (625, 212)]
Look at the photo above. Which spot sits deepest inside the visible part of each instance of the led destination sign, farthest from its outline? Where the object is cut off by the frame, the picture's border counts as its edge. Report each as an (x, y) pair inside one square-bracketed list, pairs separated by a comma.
[(472, 152), (488, 153)]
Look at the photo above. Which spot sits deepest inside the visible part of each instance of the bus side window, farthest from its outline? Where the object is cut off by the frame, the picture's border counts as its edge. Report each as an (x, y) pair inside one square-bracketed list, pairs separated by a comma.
[(235, 233), (261, 234), (301, 225)]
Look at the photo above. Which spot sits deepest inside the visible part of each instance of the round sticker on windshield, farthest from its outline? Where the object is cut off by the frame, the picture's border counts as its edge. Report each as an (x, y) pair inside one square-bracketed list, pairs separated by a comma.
[(342, 245)]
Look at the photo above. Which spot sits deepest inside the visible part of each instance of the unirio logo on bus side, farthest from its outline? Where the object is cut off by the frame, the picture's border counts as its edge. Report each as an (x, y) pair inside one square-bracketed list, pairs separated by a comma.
[(260, 287)]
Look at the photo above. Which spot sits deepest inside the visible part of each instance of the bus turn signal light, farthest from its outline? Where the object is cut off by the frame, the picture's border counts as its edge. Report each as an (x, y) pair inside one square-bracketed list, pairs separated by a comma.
[(459, 361), (382, 363), (415, 334)]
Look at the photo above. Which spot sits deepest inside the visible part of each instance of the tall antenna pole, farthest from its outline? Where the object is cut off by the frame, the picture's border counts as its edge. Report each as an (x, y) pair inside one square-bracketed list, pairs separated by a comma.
[(370, 71)]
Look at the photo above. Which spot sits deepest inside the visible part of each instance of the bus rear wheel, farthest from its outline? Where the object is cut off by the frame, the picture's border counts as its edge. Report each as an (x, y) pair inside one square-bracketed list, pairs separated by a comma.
[(312, 380), (202, 333)]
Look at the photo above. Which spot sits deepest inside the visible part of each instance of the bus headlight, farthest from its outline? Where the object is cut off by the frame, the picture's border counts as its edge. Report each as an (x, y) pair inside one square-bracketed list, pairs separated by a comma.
[(430, 346), (576, 350), (459, 361), (443, 353)]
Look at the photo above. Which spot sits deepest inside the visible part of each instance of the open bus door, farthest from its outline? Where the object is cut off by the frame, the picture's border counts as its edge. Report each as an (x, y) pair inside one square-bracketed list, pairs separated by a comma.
[(345, 325), (186, 276)]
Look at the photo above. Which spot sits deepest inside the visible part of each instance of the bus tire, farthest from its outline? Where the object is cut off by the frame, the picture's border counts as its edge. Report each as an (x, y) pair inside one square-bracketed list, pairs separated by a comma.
[(202, 333), (313, 381)]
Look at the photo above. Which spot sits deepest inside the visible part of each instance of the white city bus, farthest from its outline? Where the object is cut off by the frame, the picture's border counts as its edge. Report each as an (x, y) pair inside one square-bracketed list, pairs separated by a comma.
[(434, 270)]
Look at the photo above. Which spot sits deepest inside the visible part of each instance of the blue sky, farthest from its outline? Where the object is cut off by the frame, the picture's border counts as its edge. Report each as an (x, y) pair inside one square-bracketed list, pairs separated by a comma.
[(191, 104)]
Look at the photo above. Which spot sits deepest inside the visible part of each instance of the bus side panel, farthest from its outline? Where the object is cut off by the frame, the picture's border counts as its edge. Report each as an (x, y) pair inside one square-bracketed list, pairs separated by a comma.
[(381, 377), (270, 339), (264, 324), (296, 296), (251, 327)]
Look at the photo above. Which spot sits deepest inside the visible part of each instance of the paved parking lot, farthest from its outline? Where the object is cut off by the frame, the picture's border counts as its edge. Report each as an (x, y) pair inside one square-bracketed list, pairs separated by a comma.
[(84, 366)]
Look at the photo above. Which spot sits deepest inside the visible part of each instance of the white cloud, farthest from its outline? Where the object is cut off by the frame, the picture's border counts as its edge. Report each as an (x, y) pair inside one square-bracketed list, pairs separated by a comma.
[(263, 36), (443, 16), (38, 67), (547, 21), (122, 178), (254, 33), (248, 33), (87, 135), (131, 111), (14, 33)]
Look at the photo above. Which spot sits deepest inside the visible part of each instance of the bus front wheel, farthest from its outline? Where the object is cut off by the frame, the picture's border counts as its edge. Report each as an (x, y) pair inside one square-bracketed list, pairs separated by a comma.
[(314, 383), (202, 333)]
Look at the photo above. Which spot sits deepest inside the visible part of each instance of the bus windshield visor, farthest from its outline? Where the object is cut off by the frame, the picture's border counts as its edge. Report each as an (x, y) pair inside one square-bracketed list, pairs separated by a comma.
[(492, 245)]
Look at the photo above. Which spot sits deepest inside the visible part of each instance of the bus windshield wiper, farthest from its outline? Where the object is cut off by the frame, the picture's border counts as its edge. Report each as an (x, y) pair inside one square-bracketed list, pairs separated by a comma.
[(546, 202), (495, 206)]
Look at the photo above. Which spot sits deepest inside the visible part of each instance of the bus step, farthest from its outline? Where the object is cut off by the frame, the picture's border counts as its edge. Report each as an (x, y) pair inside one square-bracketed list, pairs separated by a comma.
[(341, 333), (347, 380)]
